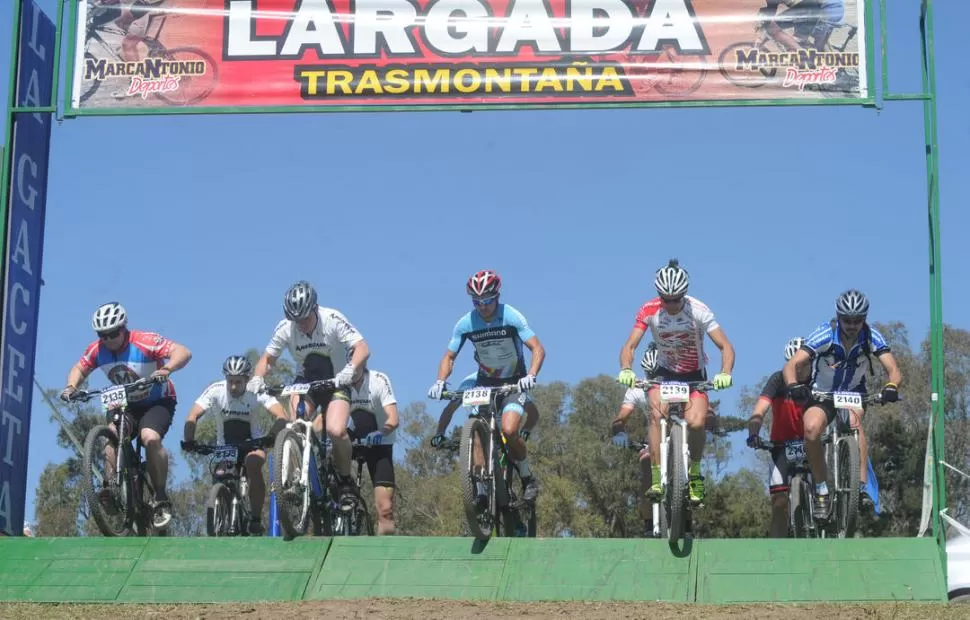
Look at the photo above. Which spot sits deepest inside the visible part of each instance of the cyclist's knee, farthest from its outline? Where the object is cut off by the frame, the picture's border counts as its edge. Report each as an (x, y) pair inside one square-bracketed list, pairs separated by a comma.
[(511, 421), (254, 460), (150, 438), (814, 423)]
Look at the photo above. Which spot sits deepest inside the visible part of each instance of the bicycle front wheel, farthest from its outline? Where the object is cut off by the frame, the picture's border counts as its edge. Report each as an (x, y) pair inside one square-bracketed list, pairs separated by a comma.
[(479, 516), (292, 496), (111, 504), (847, 487), (218, 510), (676, 499)]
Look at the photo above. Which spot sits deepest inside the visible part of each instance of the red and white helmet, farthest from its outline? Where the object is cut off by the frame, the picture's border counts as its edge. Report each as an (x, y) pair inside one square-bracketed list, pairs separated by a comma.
[(484, 284)]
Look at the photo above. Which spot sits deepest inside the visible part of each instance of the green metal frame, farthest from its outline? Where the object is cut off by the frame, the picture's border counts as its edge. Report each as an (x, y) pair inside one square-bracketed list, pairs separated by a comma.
[(927, 96)]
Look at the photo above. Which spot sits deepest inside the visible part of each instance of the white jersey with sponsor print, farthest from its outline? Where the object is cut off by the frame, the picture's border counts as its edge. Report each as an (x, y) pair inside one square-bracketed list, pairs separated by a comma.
[(679, 337), (372, 395), (236, 419), (333, 337)]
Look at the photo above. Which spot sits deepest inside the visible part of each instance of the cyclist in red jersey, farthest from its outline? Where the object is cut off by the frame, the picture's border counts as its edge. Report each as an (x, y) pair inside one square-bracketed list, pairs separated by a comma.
[(786, 425), (678, 324)]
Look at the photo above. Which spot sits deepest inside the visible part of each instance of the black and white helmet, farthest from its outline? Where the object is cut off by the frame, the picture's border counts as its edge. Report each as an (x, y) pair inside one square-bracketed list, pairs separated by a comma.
[(793, 345), (672, 280), (109, 317), (237, 366), (852, 303), (300, 301), (649, 361)]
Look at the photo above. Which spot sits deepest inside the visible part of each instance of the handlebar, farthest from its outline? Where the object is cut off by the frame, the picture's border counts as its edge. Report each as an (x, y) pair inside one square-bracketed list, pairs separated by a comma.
[(205, 449), (84, 395), (287, 389), (699, 386), (501, 390), (869, 399)]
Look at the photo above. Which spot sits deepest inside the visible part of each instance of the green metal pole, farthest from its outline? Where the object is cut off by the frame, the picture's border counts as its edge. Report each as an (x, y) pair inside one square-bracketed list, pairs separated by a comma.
[(936, 276)]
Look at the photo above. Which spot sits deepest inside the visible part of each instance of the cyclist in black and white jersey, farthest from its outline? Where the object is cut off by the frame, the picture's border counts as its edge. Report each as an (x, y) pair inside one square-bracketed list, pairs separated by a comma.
[(235, 411), (373, 422), (319, 341)]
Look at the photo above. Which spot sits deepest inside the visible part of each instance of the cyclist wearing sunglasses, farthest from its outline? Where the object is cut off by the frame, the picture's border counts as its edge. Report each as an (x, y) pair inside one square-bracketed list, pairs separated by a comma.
[(126, 356), (678, 323), (317, 339), (840, 356), (497, 332)]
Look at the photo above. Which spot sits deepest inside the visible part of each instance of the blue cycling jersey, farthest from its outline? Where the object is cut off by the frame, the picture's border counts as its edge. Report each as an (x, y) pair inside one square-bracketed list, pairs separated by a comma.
[(834, 369), (498, 343)]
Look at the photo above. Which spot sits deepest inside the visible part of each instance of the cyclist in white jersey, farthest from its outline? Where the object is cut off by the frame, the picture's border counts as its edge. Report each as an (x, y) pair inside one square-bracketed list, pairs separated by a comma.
[(373, 422), (840, 354), (319, 340), (498, 332), (678, 324), (636, 398), (235, 410)]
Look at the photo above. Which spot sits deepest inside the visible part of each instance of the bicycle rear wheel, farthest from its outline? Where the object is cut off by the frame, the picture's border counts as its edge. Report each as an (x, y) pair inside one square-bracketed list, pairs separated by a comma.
[(114, 514), (480, 519), (799, 509), (292, 497)]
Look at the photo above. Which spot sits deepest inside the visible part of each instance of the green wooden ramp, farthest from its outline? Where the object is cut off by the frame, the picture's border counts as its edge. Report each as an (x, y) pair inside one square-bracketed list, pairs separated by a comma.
[(269, 569)]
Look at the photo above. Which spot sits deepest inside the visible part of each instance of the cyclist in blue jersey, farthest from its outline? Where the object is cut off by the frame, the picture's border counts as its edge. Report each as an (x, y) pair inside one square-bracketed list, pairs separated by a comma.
[(497, 331), (840, 354)]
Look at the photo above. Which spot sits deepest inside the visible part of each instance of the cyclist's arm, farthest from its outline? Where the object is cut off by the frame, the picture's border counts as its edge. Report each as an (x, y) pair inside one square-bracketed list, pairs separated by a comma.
[(790, 371), (178, 356), (446, 414), (538, 355), (757, 418), (892, 369), (265, 365), (77, 375), (630, 347), (361, 354), (392, 418), (276, 410), (619, 422), (727, 349), (196, 412), (447, 365)]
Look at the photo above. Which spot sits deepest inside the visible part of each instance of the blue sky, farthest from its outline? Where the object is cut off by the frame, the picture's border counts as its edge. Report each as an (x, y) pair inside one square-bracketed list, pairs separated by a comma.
[(199, 224)]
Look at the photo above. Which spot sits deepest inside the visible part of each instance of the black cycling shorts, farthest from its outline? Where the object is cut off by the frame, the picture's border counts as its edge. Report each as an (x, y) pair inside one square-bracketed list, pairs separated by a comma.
[(379, 459), (157, 416)]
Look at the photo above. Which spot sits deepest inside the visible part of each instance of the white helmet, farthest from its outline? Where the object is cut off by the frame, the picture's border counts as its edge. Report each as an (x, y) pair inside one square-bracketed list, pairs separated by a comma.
[(672, 279), (649, 361), (109, 317), (852, 303), (299, 301), (793, 345), (237, 366)]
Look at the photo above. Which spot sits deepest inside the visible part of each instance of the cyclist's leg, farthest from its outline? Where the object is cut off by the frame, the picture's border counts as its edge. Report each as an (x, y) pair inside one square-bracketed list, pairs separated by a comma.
[(152, 427), (531, 415), (696, 418), (855, 421), (644, 504), (657, 411), (817, 417), (512, 411), (257, 486), (337, 414), (380, 466), (778, 488)]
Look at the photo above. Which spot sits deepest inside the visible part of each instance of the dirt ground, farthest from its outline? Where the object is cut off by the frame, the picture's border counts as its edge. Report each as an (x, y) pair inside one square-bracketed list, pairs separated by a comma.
[(387, 609)]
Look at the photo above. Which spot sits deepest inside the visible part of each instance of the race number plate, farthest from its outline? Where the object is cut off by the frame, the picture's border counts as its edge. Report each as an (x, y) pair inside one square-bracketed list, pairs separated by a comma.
[(114, 398), (296, 388), (674, 392), (476, 397), (795, 452), (229, 453), (847, 400)]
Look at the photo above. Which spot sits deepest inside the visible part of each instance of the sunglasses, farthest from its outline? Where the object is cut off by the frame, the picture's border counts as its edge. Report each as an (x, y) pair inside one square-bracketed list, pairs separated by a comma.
[(672, 300), (110, 335), (856, 321), (484, 302)]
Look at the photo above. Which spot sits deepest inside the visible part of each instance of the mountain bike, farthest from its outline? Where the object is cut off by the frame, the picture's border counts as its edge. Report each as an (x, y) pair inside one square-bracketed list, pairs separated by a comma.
[(490, 500), (841, 445), (676, 507), (801, 487), (125, 505), (228, 509), (302, 479)]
